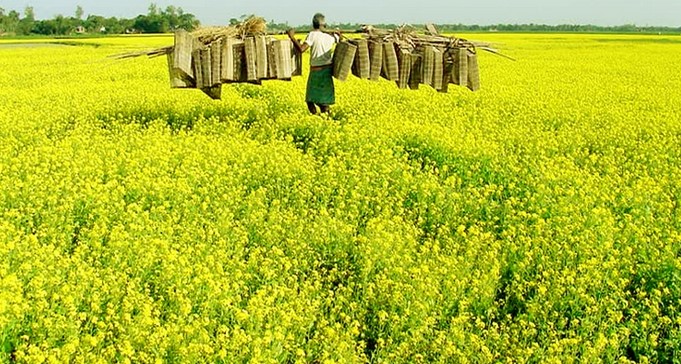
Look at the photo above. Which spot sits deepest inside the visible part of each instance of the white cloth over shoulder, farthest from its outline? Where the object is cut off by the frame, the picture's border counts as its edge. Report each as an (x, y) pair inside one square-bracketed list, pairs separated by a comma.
[(321, 47)]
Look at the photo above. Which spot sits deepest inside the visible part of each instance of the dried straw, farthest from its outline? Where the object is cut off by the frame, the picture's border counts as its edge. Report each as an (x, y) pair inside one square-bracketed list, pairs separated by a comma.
[(408, 38), (251, 26)]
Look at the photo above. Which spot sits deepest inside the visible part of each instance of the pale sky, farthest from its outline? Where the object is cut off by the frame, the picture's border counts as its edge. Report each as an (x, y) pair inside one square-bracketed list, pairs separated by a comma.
[(598, 12)]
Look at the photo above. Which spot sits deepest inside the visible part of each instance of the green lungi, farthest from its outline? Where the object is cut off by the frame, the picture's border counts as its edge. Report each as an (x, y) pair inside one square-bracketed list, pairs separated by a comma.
[(320, 88)]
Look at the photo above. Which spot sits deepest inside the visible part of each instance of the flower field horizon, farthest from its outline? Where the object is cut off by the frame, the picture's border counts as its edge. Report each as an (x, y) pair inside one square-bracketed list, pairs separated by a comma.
[(536, 220)]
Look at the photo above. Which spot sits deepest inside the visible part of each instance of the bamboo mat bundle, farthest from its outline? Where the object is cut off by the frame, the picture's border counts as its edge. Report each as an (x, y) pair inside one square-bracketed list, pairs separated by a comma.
[(416, 77), (460, 57), (209, 57), (391, 69), (411, 58), (375, 59), (343, 59), (361, 67), (283, 63), (438, 69), (405, 69), (428, 66)]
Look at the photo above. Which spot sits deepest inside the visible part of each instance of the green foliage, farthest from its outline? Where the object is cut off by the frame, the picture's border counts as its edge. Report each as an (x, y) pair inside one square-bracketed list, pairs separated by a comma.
[(156, 21), (164, 21), (520, 28)]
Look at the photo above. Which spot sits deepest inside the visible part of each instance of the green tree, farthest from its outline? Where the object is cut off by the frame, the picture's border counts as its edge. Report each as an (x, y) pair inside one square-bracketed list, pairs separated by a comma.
[(187, 21), (2, 21), (153, 9), (25, 25), (93, 23), (62, 25), (11, 21), (118, 26), (156, 21), (163, 21), (29, 13), (79, 12), (172, 15), (45, 27)]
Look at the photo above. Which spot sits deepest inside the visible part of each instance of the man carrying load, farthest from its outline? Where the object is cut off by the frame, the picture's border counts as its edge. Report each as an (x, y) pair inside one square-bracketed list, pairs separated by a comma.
[(320, 90)]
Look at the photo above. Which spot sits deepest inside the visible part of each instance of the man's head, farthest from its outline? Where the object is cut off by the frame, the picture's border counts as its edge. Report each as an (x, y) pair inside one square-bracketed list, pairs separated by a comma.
[(318, 21)]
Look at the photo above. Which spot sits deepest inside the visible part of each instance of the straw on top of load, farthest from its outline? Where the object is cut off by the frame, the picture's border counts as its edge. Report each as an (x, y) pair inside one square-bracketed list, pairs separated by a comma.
[(408, 38), (251, 26)]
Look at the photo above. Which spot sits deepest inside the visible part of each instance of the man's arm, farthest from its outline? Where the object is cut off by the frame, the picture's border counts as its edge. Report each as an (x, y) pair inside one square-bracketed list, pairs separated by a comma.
[(296, 43)]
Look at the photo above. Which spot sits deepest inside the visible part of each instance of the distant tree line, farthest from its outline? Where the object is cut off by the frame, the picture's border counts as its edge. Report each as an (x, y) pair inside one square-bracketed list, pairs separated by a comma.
[(157, 20), (563, 28), (520, 28)]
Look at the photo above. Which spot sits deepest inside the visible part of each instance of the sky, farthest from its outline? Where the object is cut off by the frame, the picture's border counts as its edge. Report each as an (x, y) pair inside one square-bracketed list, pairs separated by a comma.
[(597, 12)]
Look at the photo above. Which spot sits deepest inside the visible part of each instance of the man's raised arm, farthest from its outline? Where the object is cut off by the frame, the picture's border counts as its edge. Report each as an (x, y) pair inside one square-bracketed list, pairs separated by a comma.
[(296, 43)]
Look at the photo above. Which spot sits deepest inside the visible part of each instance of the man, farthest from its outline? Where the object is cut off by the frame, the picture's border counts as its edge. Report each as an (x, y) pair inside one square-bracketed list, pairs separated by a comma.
[(320, 90)]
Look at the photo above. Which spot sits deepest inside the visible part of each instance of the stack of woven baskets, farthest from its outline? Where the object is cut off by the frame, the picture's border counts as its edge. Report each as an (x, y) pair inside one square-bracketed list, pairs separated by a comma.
[(409, 59), (227, 59), (210, 57)]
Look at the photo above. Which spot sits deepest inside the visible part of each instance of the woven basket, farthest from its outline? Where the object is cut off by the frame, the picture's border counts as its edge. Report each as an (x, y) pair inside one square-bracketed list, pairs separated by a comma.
[(438, 69), (175, 80), (271, 61), (215, 60), (214, 92), (463, 67), (239, 57), (296, 60), (473, 72), (227, 60), (251, 55), (201, 61), (452, 64), (427, 66), (362, 66), (447, 74), (182, 55), (282, 59), (343, 58), (405, 62), (196, 63), (390, 68), (206, 67), (375, 60), (415, 78), (261, 70)]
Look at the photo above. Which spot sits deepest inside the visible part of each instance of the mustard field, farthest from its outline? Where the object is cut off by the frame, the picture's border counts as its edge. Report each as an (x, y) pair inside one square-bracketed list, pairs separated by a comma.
[(537, 220)]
